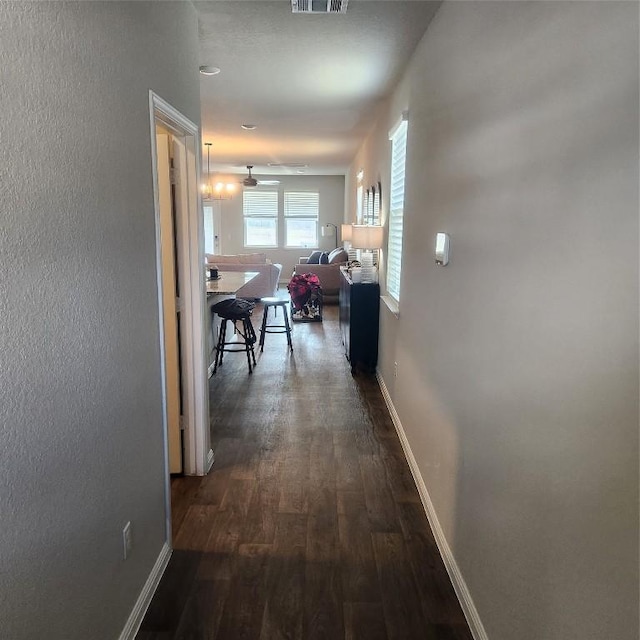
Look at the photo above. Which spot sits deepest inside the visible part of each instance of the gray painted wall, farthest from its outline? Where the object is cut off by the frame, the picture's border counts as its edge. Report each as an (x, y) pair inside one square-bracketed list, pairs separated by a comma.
[(331, 190), (518, 363), (80, 391)]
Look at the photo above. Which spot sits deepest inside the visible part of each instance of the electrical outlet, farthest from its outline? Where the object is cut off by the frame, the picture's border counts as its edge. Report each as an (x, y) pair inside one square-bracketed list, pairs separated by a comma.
[(395, 369), (127, 540)]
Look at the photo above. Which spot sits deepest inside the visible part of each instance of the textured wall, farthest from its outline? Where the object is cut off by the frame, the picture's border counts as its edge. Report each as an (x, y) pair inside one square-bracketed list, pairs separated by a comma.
[(518, 363), (80, 392)]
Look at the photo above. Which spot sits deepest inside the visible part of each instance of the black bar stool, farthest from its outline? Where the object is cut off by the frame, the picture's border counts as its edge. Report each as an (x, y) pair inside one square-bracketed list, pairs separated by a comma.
[(275, 328), (237, 311)]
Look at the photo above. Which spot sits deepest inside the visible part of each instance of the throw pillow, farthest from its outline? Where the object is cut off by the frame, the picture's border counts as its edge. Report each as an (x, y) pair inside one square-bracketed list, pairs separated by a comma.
[(324, 258), (314, 258), (338, 255)]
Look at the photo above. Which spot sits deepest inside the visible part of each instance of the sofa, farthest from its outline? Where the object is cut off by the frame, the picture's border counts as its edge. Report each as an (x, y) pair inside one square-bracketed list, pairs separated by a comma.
[(263, 285), (328, 272)]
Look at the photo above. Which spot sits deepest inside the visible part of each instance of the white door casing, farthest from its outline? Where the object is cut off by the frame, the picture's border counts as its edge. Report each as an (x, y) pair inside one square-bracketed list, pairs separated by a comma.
[(198, 456)]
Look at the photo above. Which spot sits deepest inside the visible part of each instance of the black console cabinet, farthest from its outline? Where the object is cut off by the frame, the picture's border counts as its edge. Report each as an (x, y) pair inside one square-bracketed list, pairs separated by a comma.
[(359, 320)]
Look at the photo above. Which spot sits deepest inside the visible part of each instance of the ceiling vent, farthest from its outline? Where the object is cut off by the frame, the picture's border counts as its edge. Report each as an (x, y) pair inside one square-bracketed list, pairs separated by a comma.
[(319, 6), (288, 165)]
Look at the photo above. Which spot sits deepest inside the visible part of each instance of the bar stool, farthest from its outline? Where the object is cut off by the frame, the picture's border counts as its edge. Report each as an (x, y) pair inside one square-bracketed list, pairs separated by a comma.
[(236, 311), (275, 328)]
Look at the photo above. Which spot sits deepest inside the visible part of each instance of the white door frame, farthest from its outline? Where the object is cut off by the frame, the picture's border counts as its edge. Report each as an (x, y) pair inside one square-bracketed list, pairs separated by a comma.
[(198, 456)]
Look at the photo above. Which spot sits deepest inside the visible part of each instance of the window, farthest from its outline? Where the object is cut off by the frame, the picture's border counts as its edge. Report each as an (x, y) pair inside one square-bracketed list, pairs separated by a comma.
[(372, 206), (260, 209), (359, 204), (376, 204), (398, 137), (368, 213), (301, 218)]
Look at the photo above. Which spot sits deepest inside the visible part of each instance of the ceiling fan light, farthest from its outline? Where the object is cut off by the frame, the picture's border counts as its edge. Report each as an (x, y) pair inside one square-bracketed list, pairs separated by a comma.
[(250, 181)]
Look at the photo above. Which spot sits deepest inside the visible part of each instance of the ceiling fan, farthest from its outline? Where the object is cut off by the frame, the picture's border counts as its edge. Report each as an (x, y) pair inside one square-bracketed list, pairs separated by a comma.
[(250, 181)]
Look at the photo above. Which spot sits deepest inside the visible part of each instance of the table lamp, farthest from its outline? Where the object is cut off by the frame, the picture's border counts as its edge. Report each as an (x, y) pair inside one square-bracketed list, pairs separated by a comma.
[(367, 238)]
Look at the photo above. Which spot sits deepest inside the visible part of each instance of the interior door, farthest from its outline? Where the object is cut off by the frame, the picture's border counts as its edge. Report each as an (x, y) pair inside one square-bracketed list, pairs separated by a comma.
[(169, 302)]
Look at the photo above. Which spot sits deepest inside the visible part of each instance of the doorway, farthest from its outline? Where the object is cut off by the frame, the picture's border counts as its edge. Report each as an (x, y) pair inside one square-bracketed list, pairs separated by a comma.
[(168, 151), (181, 293)]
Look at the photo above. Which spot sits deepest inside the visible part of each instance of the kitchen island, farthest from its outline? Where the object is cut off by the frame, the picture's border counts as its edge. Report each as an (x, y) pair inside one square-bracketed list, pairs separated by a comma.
[(224, 287), (229, 282)]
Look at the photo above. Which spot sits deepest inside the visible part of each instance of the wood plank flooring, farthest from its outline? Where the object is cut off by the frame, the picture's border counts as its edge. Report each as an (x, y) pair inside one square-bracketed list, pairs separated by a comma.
[(310, 525)]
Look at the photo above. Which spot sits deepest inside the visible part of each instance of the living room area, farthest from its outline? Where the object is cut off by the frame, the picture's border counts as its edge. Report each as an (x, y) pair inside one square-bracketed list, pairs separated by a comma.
[(228, 226)]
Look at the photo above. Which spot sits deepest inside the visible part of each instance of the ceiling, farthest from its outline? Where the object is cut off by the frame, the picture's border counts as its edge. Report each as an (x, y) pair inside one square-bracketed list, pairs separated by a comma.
[(310, 83)]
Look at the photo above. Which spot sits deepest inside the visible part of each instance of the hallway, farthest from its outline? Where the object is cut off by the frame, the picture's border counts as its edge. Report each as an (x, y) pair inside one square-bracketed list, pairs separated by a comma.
[(309, 525)]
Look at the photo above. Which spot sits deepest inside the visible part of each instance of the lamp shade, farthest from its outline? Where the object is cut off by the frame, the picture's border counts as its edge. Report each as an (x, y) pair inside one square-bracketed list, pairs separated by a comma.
[(367, 236), (345, 231)]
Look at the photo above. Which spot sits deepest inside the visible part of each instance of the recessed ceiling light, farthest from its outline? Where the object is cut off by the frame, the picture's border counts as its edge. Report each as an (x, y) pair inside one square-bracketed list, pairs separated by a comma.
[(208, 70), (300, 171), (248, 127)]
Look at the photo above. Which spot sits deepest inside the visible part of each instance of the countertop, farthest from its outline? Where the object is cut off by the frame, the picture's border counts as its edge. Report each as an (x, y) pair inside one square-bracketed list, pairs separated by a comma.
[(229, 282)]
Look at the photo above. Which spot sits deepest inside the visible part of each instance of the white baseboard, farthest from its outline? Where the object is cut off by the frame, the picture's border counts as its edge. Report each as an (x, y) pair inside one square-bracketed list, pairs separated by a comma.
[(460, 586), (144, 599)]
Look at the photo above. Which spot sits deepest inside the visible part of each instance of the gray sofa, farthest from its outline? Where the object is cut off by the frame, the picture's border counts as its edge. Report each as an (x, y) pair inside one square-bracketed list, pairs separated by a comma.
[(328, 274)]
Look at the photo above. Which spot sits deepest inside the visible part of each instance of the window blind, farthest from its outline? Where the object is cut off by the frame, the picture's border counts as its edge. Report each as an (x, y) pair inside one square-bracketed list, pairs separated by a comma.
[(301, 209), (370, 198), (260, 209), (398, 137), (376, 206), (301, 204), (260, 203)]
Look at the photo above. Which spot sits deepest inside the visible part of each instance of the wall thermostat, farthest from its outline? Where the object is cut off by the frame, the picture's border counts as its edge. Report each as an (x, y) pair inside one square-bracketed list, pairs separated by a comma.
[(442, 249)]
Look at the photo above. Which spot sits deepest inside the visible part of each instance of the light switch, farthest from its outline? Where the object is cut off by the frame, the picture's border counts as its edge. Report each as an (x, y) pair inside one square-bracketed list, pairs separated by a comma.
[(442, 249)]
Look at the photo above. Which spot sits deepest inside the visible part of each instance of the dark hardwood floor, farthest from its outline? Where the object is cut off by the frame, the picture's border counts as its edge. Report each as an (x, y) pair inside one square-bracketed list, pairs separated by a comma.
[(309, 525)]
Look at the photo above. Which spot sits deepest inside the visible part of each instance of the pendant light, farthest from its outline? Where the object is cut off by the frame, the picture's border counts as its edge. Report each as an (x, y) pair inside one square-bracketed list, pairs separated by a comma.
[(220, 191), (207, 191)]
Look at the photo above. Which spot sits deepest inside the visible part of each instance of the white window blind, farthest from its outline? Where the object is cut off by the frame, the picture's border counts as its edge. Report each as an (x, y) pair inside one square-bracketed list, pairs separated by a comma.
[(376, 206), (398, 137), (371, 209), (301, 209), (359, 204), (260, 210), (369, 216)]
